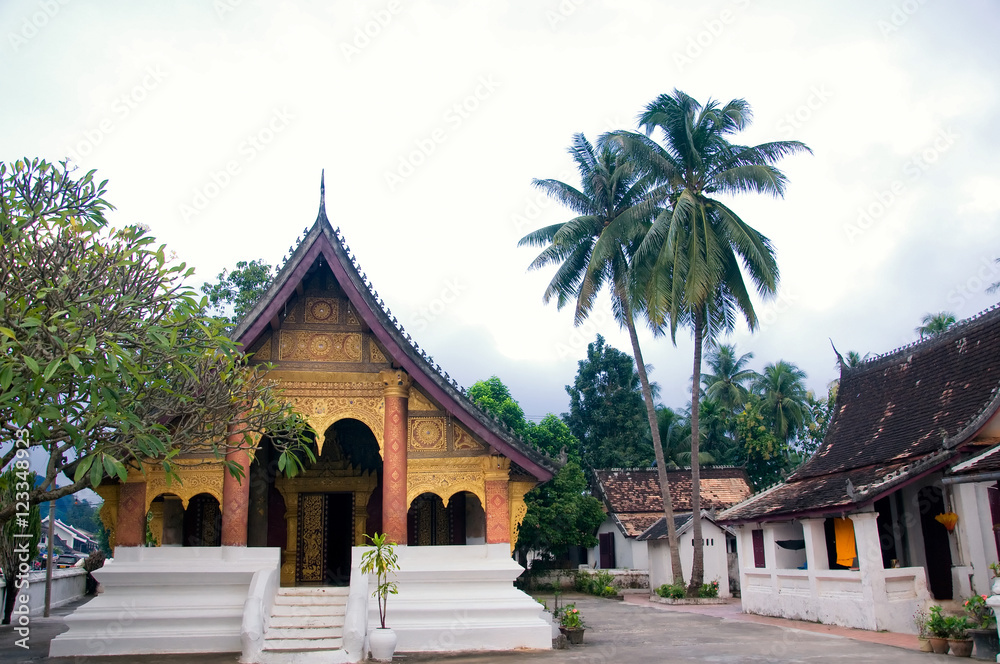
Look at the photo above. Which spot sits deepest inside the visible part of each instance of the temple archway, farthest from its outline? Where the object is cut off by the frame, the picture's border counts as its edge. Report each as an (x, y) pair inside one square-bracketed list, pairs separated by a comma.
[(433, 523), (202, 521)]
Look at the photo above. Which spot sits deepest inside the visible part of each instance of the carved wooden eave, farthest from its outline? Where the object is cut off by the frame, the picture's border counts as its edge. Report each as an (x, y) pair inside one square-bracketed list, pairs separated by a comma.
[(325, 244)]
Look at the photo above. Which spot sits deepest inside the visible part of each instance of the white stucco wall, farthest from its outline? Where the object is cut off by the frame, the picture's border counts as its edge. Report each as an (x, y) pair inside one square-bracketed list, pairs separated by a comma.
[(67, 585), (629, 554), (716, 562)]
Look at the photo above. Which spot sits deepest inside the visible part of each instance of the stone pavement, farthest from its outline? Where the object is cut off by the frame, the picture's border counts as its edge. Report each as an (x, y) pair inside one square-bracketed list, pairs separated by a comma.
[(632, 631)]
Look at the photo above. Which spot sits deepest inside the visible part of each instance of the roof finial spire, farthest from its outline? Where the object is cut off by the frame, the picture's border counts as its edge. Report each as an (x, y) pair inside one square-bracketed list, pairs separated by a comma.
[(322, 192)]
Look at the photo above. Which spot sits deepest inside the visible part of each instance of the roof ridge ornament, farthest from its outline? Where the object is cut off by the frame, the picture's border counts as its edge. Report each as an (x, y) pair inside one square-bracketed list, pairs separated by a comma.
[(322, 193)]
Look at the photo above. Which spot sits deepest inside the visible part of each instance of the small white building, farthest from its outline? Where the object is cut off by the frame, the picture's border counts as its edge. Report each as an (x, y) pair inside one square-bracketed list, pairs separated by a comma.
[(68, 537), (715, 539), (633, 503), (899, 508)]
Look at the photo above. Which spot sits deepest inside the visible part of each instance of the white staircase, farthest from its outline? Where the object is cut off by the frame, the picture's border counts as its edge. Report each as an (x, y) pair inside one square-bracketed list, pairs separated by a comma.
[(306, 626)]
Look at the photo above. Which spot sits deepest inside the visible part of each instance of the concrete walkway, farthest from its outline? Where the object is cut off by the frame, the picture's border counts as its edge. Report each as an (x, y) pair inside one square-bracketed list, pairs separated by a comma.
[(636, 630)]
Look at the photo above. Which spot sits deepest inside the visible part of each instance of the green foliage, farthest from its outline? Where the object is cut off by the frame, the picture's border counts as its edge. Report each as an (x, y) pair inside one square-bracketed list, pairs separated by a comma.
[(600, 583), (235, 292), (956, 627), (932, 324), (554, 438), (820, 414), (709, 590), (106, 358), (492, 395), (672, 590), (607, 413), (937, 624), (783, 398), (571, 618), (380, 559), (560, 514), (979, 612), (765, 452)]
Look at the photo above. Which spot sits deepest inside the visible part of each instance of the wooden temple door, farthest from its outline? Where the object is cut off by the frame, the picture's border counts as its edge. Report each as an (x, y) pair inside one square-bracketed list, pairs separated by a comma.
[(325, 537), (937, 544), (606, 543)]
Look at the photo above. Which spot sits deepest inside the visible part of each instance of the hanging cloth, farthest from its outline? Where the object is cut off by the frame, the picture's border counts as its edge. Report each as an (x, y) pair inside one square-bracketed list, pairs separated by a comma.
[(843, 530)]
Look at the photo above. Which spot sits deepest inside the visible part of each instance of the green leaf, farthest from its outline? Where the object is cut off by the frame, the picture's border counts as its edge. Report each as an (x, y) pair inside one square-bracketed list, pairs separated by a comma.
[(30, 362), (52, 368), (7, 332), (74, 362), (96, 474), (82, 468), (6, 376), (91, 344)]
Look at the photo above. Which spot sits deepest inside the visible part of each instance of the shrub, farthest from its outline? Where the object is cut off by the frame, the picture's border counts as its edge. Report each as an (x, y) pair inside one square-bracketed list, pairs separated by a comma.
[(710, 589), (572, 618), (980, 613), (671, 590), (937, 624)]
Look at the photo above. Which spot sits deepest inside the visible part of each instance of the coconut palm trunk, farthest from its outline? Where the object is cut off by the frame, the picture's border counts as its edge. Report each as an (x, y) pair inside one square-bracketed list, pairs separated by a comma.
[(698, 562), (661, 464)]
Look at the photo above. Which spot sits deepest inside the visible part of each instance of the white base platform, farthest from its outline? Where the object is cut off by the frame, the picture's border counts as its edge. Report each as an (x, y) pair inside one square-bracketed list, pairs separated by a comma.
[(461, 598), (166, 600)]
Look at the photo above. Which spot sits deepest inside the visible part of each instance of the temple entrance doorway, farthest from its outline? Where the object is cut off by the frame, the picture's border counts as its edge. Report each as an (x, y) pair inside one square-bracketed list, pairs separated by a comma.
[(326, 534)]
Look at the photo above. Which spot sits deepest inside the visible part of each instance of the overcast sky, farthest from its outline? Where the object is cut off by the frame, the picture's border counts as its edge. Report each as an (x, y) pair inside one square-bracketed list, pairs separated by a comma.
[(213, 120)]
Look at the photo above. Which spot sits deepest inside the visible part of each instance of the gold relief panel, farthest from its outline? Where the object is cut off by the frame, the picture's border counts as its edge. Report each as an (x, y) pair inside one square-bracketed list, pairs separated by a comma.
[(464, 440), (264, 352), (428, 433), (193, 481), (376, 355), (418, 401), (321, 412), (320, 346), (322, 310), (352, 318)]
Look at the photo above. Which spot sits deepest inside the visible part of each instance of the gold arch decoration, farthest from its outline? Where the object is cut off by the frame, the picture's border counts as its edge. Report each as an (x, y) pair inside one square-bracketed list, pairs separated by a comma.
[(203, 479), (321, 413), (445, 477)]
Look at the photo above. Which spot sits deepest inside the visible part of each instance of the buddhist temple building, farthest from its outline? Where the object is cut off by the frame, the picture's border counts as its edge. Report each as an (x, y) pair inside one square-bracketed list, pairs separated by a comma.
[(399, 448)]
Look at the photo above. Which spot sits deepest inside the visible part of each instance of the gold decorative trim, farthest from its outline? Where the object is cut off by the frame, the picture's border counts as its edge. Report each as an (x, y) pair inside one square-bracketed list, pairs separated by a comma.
[(518, 509), (205, 478), (428, 433), (395, 383), (322, 310), (322, 412), (319, 346)]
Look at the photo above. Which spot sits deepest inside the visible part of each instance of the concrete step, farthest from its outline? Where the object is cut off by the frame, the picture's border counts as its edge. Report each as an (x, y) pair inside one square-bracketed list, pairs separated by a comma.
[(307, 633), (306, 621), (312, 591), (310, 600), (308, 610), (302, 645)]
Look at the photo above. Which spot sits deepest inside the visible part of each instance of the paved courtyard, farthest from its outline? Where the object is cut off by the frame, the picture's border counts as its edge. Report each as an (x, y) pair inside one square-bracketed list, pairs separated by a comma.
[(632, 631)]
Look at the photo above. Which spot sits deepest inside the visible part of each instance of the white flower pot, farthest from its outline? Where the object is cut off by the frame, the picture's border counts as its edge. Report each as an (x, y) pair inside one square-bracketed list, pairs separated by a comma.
[(996, 586), (382, 643)]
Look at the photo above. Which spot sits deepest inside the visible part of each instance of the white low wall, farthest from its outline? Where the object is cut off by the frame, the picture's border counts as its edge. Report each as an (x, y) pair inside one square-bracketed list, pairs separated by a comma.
[(67, 585), (461, 598), (836, 597), (166, 600)]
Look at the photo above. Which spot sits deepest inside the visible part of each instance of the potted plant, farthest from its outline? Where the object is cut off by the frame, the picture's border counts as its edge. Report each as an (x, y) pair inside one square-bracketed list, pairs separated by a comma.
[(920, 618), (380, 559), (958, 638), (982, 627), (938, 630), (571, 624)]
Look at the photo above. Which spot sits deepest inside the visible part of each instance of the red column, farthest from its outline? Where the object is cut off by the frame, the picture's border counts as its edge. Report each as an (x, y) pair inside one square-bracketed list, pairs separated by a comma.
[(236, 493), (131, 525), (496, 477), (396, 385)]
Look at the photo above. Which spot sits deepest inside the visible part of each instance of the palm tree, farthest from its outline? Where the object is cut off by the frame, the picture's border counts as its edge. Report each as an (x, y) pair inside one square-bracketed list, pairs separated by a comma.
[(688, 266), (729, 378), (935, 323), (784, 399), (594, 249), (854, 359)]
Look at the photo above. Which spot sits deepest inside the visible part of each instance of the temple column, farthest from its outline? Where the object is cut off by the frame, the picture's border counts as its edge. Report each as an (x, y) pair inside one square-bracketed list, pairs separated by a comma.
[(869, 551), (236, 492), (131, 514), (396, 391), (290, 554), (496, 474)]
